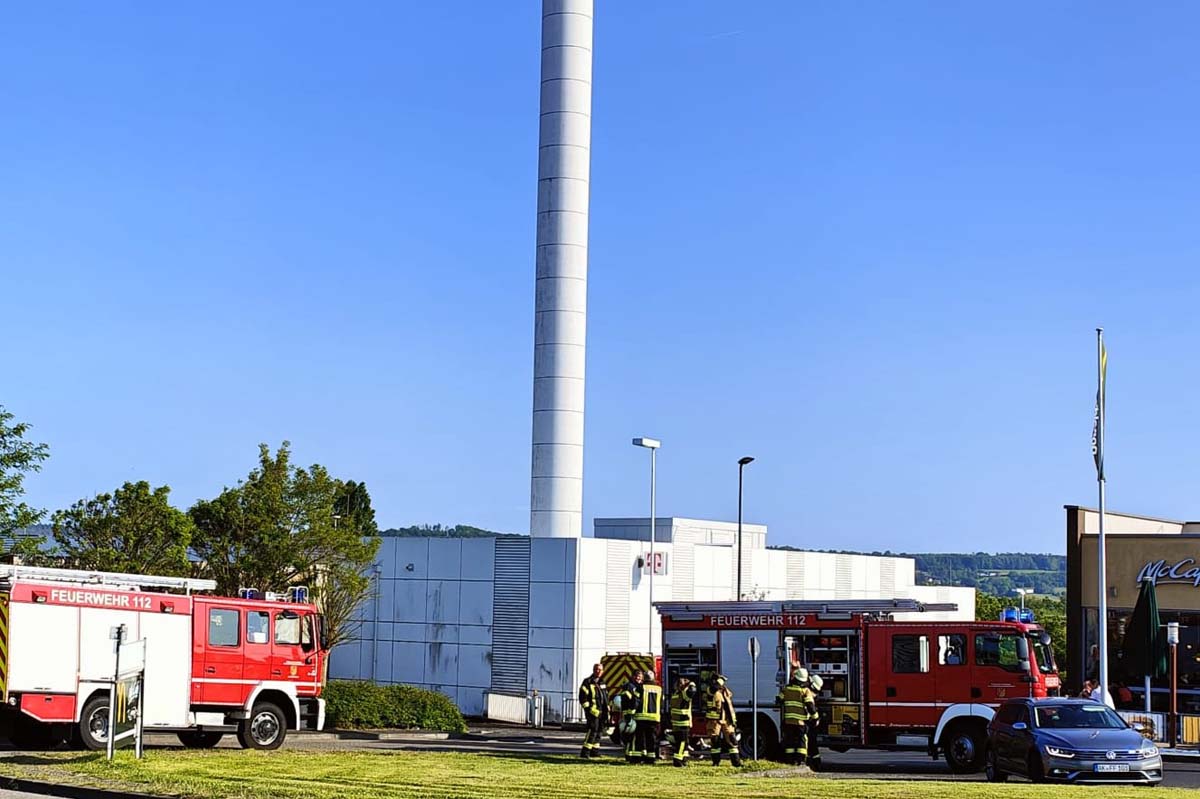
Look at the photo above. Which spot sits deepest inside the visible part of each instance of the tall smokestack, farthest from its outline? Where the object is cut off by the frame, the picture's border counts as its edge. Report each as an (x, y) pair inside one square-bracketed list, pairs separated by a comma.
[(564, 155)]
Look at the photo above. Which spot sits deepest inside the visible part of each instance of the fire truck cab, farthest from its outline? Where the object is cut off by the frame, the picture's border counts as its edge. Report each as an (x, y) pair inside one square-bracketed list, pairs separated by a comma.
[(932, 686), (213, 665)]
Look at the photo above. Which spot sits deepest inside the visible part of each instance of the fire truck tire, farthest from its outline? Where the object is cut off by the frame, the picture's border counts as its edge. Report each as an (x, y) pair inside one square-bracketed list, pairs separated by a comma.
[(965, 745), (767, 739), (200, 739), (93, 724), (265, 729)]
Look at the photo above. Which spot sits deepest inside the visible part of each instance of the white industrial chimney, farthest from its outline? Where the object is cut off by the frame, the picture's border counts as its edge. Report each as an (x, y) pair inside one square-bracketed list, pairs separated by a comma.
[(560, 323)]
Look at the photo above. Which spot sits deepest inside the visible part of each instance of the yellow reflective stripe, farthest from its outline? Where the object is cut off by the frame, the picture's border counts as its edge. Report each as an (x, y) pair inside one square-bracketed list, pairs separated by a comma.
[(4, 647)]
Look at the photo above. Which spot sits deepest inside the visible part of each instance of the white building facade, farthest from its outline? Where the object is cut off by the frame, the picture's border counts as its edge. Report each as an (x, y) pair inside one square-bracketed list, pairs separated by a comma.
[(516, 614)]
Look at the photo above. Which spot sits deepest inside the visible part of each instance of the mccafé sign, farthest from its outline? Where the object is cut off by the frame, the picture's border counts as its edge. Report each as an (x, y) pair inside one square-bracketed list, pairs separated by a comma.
[(1184, 571)]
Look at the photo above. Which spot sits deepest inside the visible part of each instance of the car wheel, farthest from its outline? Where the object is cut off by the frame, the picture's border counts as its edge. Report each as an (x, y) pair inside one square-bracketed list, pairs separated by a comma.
[(991, 770), (265, 729), (964, 745), (1036, 771)]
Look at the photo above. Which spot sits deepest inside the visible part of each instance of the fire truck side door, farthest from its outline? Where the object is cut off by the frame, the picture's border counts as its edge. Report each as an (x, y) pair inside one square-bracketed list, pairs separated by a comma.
[(292, 645), (909, 686), (224, 653), (996, 667)]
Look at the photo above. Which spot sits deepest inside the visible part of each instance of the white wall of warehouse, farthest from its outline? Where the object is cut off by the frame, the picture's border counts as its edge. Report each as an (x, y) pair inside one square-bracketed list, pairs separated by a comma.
[(433, 621)]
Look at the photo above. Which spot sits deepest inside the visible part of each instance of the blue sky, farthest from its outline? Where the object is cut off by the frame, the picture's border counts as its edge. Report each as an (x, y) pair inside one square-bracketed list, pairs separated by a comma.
[(865, 243)]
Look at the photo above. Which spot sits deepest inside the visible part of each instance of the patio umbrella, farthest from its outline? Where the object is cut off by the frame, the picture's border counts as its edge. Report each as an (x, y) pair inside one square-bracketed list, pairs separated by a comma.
[(1144, 650)]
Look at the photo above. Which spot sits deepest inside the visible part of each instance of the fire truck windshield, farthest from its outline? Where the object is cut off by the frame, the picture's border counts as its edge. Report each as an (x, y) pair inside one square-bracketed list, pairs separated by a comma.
[(1043, 652)]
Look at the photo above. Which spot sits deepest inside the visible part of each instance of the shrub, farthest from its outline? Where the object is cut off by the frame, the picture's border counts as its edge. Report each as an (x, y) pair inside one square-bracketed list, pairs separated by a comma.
[(353, 704)]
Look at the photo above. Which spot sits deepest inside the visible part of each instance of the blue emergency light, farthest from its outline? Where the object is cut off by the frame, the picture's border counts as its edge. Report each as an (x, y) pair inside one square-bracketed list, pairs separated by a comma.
[(1009, 614), (1027, 615)]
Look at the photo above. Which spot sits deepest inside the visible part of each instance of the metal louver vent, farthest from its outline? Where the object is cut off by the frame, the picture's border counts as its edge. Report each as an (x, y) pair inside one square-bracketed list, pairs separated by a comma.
[(510, 616), (616, 600)]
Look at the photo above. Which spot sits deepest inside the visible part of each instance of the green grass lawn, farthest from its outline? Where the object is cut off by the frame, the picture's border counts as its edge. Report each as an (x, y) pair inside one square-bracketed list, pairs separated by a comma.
[(225, 774)]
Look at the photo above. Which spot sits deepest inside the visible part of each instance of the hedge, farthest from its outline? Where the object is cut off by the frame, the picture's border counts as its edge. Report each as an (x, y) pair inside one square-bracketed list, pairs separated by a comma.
[(353, 704)]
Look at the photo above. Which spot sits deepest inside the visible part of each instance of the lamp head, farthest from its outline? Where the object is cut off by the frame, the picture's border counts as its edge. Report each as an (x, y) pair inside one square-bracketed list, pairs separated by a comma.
[(648, 443), (745, 460)]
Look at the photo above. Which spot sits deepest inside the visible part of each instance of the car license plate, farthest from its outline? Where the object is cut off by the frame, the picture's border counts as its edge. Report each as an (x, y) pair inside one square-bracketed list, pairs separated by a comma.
[(1111, 767)]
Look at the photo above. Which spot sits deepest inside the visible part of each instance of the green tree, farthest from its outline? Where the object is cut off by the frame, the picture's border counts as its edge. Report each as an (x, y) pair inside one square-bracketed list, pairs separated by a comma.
[(353, 506), (277, 529), (133, 530), (18, 458)]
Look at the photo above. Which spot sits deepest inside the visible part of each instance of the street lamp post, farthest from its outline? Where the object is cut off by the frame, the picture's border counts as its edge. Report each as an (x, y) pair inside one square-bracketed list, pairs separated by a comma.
[(741, 468), (1023, 592), (651, 444)]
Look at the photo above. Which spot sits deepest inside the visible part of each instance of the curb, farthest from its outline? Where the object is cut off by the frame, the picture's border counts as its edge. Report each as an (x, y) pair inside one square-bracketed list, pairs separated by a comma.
[(367, 735), (69, 791)]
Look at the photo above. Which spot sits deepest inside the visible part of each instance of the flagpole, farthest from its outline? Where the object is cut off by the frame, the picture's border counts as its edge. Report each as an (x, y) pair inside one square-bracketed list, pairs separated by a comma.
[(1102, 551)]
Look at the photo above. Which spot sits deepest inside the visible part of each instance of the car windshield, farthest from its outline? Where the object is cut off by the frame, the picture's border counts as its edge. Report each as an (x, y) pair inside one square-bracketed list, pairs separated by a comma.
[(1044, 653), (1068, 717)]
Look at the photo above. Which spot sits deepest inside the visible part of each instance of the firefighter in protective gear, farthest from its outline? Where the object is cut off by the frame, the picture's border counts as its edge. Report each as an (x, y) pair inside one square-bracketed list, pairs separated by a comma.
[(631, 700), (648, 714), (815, 684), (593, 701), (681, 720), (722, 721), (798, 707)]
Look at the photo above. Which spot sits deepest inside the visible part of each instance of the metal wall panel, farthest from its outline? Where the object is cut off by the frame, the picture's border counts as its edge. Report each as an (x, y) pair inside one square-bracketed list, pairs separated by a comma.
[(843, 581), (887, 577), (795, 574), (616, 601), (683, 571), (510, 617)]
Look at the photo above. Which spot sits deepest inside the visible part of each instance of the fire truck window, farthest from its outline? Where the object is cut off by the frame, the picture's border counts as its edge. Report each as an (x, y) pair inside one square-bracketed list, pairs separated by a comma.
[(952, 650), (910, 654), (287, 629), (997, 649), (306, 636), (223, 627), (257, 626)]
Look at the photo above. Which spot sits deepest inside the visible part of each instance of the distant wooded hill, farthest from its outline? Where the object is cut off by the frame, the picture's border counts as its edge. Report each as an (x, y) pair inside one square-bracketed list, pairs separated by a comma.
[(438, 530), (1000, 573)]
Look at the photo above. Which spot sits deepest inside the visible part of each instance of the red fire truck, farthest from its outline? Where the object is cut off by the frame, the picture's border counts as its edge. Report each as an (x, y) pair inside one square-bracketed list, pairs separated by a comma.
[(888, 684), (213, 665)]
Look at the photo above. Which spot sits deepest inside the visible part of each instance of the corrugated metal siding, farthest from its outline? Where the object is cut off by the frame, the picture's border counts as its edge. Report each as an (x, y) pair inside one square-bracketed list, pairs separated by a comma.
[(795, 575), (843, 579), (887, 577), (510, 616), (683, 567), (616, 600)]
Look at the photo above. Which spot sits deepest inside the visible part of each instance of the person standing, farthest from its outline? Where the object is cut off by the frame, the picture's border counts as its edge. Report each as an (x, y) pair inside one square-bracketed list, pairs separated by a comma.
[(681, 720), (631, 698), (593, 701), (722, 722), (648, 715), (797, 706), (815, 684)]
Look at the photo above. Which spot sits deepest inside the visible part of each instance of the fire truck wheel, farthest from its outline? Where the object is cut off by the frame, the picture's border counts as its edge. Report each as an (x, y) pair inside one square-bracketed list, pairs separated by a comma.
[(93, 724), (965, 745), (265, 729), (199, 739)]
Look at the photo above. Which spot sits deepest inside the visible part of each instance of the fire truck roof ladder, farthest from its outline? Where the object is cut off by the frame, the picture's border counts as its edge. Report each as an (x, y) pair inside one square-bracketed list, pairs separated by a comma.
[(9, 573), (851, 606)]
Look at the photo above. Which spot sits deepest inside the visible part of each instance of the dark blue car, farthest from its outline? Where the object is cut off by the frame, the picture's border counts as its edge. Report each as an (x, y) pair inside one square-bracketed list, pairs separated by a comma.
[(1068, 740)]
